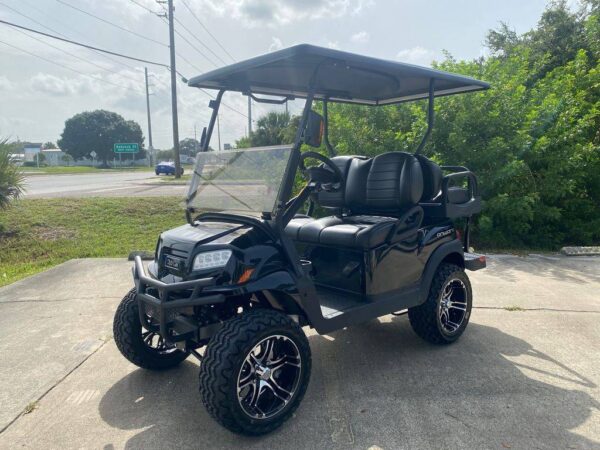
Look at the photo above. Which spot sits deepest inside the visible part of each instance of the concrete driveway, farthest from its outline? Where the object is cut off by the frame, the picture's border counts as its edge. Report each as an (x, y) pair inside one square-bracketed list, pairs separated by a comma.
[(524, 375)]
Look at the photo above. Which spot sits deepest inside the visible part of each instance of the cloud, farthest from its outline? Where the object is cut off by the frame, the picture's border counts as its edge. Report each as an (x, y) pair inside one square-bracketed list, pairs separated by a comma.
[(5, 84), (276, 44), (254, 13), (416, 55), (57, 86), (334, 45), (362, 37)]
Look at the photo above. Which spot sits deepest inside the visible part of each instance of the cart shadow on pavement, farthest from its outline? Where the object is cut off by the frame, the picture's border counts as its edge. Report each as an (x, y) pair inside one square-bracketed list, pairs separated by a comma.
[(390, 389)]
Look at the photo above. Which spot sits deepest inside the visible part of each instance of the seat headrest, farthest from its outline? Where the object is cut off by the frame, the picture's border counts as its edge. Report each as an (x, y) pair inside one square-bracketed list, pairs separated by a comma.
[(432, 178), (386, 183)]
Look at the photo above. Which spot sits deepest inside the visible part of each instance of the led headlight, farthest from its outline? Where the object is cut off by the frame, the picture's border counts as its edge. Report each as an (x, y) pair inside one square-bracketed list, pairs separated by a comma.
[(211, 260)]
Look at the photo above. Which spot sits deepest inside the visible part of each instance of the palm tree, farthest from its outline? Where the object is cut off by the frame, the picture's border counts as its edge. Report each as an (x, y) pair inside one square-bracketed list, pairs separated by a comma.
[(11, 177), (270, 129)]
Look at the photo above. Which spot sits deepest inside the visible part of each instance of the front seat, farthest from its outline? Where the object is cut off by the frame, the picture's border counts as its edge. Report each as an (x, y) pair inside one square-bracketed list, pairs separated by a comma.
[(377, 204)]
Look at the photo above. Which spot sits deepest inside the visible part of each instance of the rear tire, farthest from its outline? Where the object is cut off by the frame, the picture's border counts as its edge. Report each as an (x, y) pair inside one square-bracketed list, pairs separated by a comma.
[(239, 365), (138, 345), (443, 317)]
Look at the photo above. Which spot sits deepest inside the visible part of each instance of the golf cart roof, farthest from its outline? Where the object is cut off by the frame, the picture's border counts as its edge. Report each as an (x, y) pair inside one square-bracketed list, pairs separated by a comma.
[(337, 76)]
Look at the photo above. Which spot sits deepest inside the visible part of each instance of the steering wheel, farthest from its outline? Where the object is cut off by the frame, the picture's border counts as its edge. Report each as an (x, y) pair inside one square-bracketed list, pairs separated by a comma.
[(327, 176)]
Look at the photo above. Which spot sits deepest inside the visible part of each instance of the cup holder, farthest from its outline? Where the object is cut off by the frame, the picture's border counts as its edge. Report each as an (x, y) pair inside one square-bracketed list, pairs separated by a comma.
[(307, 266)]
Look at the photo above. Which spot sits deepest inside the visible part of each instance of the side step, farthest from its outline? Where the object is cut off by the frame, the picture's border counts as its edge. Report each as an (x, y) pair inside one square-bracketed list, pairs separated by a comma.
[(334, 302), (475, 261)]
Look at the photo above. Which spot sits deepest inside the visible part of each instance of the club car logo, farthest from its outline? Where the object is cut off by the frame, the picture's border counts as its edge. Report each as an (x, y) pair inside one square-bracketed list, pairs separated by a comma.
[(171, 262), (442, 234)]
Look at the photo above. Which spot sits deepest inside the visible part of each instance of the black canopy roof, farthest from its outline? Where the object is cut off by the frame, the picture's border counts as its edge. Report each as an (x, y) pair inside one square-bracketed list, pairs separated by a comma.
[(340, 76)]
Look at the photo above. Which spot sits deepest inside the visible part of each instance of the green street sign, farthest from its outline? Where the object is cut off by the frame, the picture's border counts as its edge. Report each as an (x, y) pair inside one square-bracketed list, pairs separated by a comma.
[(126, 148)]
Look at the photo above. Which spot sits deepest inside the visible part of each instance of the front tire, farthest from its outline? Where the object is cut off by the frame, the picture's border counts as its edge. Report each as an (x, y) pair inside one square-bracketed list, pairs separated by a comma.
[(142, 347), (255, 372), (443, 317)]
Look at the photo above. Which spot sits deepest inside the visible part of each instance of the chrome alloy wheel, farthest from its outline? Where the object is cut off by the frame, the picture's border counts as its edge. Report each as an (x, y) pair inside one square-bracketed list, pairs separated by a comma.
[(269, 377), (452, 308), (155, 341)]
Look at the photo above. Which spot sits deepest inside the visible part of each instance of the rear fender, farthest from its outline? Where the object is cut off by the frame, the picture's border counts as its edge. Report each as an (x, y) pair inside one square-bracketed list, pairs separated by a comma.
[(449, 251)]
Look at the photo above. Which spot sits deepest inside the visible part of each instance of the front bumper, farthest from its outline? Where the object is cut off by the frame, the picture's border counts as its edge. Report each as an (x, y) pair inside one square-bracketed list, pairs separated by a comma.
[(163, 308)]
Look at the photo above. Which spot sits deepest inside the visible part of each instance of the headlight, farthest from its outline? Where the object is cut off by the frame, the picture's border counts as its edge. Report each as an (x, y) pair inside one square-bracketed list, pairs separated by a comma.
[(211, 260)]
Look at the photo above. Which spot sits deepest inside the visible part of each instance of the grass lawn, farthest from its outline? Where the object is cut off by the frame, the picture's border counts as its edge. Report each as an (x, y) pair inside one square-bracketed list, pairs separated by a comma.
[(36, 234), (170, 179)]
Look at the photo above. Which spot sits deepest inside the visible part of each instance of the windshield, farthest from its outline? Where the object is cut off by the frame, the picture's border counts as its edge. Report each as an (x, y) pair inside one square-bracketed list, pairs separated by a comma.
[(241, 180)]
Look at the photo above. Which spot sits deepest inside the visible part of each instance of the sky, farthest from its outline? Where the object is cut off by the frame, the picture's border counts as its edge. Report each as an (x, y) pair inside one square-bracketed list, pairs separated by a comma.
[(44, 82)]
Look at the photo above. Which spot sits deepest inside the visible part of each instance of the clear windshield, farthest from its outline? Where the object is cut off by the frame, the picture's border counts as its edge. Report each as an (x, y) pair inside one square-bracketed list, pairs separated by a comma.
[(241, 180)]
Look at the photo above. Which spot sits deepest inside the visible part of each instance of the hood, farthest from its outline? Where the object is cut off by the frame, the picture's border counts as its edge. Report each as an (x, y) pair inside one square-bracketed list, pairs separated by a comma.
[(186, 237)]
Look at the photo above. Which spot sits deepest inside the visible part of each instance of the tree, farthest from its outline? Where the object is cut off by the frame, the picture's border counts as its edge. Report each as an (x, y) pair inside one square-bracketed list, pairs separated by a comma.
[(533, 139), (273, 129), (98, 131), (49, 145), (66, 158), (11, 177), (189, 147)]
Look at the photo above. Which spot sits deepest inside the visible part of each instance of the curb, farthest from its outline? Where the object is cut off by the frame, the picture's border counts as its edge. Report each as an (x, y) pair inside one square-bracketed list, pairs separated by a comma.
[(581, 251)]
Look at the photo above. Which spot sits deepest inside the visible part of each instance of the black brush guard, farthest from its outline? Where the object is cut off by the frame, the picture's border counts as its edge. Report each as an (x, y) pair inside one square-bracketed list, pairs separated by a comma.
[(172, 327)]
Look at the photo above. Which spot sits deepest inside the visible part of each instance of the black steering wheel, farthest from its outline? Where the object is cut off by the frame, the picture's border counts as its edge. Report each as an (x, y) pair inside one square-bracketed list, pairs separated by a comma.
[(330, 176)]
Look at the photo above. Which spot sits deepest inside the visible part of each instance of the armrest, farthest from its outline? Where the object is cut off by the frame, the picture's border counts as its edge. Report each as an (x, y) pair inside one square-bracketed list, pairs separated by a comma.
[(406, 225), (472, 182)]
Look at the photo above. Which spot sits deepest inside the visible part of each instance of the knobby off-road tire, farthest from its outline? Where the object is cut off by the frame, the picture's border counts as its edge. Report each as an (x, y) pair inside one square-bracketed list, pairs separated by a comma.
[(226, 366), (131, 339), (445, 314)]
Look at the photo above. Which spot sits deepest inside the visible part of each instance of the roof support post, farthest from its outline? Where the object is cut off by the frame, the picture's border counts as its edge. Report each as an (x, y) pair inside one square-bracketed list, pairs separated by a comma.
[(330, 148), (430, 114), (214, 104)]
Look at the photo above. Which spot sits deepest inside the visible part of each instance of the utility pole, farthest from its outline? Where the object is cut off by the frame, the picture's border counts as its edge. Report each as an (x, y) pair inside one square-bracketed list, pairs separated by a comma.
[(195, 142), (170, 12), (249, 115), (150, 147), (219, 132)]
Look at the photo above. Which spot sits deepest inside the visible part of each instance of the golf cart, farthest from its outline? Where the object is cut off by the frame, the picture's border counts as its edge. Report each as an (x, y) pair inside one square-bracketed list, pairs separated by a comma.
[(261, 257)]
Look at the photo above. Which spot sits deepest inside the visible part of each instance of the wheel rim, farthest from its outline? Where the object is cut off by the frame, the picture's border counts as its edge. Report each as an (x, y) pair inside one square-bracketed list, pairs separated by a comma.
[(269, 377), (155, 342), (452, 308)]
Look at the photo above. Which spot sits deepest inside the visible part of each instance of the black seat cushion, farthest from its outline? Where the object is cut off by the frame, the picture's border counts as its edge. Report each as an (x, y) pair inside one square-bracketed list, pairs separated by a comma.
[(362, 232)]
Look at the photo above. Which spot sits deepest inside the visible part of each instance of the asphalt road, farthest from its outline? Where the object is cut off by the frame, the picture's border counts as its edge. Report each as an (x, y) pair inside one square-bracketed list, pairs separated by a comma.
[(525, 374), (126, 184)]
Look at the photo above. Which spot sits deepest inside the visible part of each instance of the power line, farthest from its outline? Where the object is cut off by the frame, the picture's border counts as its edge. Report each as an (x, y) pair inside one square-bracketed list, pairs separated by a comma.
[(202, 43), (120, 55), (163, 18), (206, 29), (65, 67), (193, 46), (60, 49), (112, 24), (73, 55), (145, 7), (64, 35)]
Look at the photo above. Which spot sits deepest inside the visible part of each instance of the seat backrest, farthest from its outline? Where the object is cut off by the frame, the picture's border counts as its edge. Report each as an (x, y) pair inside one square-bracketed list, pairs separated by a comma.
[(385, 184), (432, 178), (336, 199)]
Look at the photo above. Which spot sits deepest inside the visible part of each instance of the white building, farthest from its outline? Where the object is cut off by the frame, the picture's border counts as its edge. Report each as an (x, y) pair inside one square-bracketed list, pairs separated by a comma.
[(30, 150), (54, 156)]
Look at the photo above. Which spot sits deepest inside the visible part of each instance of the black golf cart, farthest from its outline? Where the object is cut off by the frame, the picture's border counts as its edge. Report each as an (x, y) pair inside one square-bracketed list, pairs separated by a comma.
[(257, 261)]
